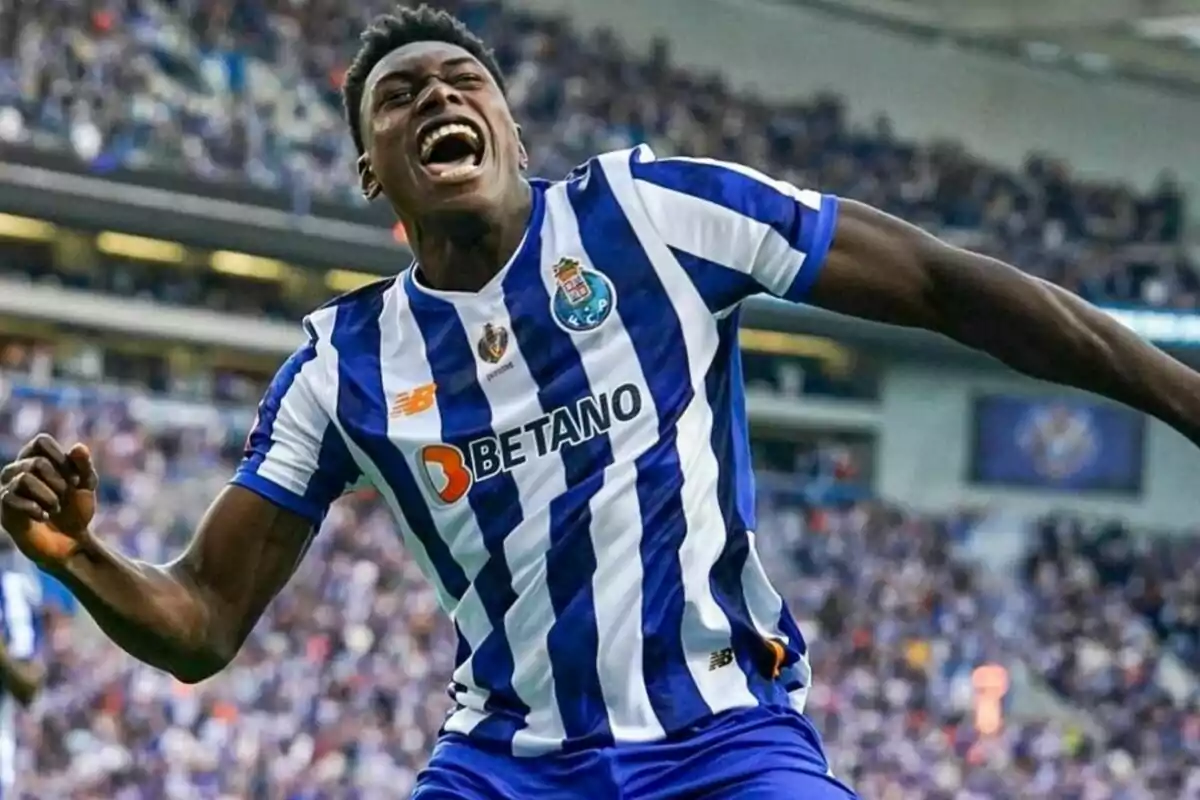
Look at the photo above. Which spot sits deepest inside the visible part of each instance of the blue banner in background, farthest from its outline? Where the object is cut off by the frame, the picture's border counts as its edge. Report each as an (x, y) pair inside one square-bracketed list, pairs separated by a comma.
[(1064, 444)]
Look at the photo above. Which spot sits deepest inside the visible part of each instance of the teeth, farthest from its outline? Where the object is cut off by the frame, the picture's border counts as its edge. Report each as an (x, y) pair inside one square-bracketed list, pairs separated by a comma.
[(441, 132)]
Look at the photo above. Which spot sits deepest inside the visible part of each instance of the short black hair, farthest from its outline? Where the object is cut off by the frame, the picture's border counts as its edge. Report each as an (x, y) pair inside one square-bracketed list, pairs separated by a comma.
[(389, 32)]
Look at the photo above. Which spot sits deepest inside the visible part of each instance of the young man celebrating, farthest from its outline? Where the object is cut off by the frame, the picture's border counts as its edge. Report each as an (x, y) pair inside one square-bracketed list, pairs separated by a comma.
[(550, 401)]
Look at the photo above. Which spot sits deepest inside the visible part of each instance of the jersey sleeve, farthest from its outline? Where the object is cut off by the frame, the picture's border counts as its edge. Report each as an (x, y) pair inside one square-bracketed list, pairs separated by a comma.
[(295, 455), (735, 231), (20, 599)]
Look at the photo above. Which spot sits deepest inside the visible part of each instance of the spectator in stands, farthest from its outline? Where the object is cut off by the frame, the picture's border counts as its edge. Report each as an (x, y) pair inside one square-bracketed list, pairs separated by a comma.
[(248, 90)]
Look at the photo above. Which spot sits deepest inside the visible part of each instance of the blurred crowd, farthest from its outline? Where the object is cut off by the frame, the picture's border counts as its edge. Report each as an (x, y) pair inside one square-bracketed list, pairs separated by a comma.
[(1110, 608), (1159, 578), (247, 90), (342, 686), (903, 621)]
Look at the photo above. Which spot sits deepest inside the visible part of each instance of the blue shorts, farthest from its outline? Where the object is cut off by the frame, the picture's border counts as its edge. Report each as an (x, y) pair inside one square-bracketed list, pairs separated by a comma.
[(759, 753)]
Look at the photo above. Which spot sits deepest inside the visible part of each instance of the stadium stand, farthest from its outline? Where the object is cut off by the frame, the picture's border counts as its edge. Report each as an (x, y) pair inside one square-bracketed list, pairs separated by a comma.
[(1092, 584), (1109, 606), (1158, 576), (342, 686), (248, 90)]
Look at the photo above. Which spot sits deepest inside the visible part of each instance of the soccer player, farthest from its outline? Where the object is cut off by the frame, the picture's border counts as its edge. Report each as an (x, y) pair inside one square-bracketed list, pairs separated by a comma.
[(549, 400), (20, 675)]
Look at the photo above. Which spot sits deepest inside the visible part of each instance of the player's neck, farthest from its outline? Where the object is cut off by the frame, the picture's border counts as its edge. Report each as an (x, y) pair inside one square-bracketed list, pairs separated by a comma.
[(462, 252)]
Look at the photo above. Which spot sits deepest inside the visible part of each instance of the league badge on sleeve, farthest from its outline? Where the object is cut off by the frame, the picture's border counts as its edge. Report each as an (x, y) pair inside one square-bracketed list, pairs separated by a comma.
[(583, 299)]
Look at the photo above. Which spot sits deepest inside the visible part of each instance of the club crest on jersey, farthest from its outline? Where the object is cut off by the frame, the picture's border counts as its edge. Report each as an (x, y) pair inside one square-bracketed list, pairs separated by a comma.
[(584, 298), (493, 343)]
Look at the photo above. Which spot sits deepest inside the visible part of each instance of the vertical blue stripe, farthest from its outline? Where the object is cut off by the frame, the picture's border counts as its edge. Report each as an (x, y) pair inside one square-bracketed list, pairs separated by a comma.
[(462, 651), (731, 406), (362, 411), (723, 385), (735, 492), (787, 624), (466, 416), (719, 286), (335, 471), (258, 443), (751, 651), (654, 329), (735, 489), (557, 369)]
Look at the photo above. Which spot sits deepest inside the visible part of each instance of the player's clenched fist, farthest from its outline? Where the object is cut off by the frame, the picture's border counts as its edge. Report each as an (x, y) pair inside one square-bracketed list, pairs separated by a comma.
[(47, 499)]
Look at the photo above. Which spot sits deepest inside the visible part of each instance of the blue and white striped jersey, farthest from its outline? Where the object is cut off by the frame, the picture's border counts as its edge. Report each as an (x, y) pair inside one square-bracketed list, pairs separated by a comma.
[(20, 626), (565, 451)]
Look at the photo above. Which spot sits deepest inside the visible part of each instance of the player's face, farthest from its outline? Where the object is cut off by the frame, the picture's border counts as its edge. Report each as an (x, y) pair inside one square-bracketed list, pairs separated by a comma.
[(438, 132)]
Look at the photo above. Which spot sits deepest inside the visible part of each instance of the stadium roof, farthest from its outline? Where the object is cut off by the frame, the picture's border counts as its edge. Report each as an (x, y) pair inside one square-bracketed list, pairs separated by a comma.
[(1157, 40)]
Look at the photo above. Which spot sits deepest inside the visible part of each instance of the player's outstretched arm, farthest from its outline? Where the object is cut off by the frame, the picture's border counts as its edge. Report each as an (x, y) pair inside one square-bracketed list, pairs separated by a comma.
[(188, 617), (881, 268)]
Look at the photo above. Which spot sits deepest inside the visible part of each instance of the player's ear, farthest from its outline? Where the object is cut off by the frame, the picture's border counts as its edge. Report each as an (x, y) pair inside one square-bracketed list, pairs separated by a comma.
[(367, 180), (522, 155)]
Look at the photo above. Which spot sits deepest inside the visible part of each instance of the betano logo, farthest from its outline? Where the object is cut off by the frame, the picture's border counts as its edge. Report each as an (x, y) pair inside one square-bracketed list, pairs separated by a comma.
[(450, 472), (446, 472)]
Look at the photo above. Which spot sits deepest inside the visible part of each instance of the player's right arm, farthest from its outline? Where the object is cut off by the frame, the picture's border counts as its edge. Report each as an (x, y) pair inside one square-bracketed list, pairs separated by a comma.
[(190, 616), (738, 233)]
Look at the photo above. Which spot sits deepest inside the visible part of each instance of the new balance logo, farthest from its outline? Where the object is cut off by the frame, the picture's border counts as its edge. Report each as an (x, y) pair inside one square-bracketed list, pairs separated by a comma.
[(721, 658), (414, 401)]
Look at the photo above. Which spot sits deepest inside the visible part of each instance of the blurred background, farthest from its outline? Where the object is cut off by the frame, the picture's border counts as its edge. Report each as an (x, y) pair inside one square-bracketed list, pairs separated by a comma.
[(1000, 581)]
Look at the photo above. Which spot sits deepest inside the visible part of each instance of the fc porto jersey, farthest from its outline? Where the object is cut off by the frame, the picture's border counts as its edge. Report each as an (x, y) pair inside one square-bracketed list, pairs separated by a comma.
[(565, 451)]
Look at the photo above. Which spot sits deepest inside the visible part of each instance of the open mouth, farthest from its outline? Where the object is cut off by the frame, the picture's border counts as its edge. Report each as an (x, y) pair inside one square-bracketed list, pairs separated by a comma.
[(451, 150)]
